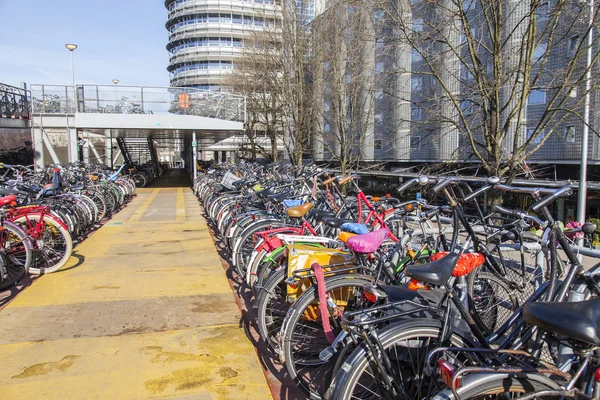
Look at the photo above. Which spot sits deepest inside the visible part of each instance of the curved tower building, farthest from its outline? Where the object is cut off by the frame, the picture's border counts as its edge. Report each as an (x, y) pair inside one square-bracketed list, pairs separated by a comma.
[(206, 37)]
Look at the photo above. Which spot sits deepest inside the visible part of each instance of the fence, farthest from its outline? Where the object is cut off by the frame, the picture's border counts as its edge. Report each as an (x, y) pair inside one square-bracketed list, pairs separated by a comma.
[(14, 102), (137, 100)]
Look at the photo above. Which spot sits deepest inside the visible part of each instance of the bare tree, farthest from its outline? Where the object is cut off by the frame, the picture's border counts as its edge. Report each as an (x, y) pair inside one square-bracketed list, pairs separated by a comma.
[(345, 81), (486, 62)]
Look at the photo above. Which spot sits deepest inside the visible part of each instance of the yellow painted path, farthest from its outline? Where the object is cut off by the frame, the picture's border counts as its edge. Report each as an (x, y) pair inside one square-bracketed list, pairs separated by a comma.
[(143, 310)]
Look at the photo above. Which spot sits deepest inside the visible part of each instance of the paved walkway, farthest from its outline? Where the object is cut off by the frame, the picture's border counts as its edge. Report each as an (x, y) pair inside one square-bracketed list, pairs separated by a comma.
[(142, 311)]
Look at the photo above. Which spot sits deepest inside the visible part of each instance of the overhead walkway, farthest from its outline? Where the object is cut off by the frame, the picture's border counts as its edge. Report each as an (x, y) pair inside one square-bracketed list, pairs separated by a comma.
[(82, 122), (142, 311)]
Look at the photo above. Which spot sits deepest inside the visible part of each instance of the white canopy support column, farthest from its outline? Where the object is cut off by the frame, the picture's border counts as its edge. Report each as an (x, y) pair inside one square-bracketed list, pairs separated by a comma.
[(72, 144), (108, 148), (55, 159), (38, 147)]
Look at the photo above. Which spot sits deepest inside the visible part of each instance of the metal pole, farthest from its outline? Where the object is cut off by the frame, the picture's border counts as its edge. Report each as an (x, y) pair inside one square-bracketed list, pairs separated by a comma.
[(582, 194), (195, 159), (72, 70)]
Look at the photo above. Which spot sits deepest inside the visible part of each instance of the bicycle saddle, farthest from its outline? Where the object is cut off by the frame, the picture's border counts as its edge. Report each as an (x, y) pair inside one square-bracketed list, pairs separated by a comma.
[(299, 211), (579, 320), (320, 214), (6, 192), (368, 242), (7, 200), (436, 273), (335, 222), (81, 186)]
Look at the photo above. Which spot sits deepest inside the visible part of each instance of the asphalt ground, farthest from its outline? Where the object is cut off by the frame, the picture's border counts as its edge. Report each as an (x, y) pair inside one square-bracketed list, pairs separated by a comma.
[(143, 310)]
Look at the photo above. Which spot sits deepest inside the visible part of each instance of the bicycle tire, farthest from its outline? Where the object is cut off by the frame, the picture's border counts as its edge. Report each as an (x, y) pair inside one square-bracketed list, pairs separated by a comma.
[(406, 336), (272, 307), (309, 372), (53, 249)]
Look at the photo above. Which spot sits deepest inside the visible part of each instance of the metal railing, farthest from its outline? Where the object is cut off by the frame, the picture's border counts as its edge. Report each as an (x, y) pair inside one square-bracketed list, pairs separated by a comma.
[(15, 102), (116, 99)]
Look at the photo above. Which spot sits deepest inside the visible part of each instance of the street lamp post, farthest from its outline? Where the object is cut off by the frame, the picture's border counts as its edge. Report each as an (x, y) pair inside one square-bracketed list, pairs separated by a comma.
[(582, 192), (72, 136)]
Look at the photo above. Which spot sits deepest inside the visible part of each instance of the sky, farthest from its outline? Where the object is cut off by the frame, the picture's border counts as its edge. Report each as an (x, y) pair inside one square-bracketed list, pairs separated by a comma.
[(116, 39)]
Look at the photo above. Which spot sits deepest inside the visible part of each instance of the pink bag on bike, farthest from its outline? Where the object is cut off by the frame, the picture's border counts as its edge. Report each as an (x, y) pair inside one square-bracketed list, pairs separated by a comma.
[(367, 243)]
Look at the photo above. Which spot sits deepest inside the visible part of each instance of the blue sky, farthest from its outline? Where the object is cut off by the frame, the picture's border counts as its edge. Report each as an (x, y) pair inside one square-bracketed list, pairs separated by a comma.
[(117, 39)]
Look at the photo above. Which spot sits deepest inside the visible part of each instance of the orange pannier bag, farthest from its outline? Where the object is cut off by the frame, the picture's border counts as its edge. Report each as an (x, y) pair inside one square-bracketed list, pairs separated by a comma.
[(302, 256), (466, 262)]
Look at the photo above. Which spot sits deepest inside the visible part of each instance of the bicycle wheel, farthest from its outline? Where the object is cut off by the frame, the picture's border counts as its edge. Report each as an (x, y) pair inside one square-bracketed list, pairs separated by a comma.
[(304, 337), (242, 250), (15, 254), (406, 345), (16, 245), (272, 307), (52, 243), (491, 301), (501, 386)]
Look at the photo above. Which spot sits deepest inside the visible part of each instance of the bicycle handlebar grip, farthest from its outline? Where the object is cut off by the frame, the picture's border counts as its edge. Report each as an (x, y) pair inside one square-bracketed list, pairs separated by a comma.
[(477, 192), (406, 185), (344, 180), (507, 211), (328, 181), (442, 185), (563, 192), (431, 213)]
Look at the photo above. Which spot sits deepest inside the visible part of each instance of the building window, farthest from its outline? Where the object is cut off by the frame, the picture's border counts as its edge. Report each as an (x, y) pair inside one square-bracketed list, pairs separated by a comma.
[(326, 128), (489, 66), (539, 136), (417, 25), (465, 72), (416, 56), (570, 134), (468, 4), (379, 67), (378, 119), (379, 43), (415, 113), (416, 84), (542, 12), (539, 52), (379, 95), (537, 97), (466, 107), (573, 45), (377, 144), (379, 16), (415, 142)]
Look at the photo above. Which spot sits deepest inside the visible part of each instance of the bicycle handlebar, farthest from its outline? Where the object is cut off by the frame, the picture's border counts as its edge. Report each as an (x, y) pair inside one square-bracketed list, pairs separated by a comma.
[(442, 185), (422, 180), (563, 192), (477, 192)]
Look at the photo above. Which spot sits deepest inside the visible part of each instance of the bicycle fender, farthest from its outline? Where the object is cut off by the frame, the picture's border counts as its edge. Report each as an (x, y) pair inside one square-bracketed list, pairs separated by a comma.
[(49, 216), (475, 380)]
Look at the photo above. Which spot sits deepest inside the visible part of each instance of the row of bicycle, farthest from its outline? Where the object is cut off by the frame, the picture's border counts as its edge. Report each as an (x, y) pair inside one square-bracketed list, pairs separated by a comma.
[(43, 211), (364, 297)]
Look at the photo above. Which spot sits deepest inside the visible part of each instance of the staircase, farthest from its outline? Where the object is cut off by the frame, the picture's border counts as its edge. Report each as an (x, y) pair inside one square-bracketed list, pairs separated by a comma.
[(140, 151)]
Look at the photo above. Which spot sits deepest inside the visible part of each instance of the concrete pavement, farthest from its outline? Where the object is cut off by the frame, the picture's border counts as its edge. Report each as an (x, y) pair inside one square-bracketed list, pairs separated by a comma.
[(143, 310)]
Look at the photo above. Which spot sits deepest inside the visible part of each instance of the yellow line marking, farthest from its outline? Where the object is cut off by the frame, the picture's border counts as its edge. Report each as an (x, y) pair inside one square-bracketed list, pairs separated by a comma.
[(180, 206), (144, 206)]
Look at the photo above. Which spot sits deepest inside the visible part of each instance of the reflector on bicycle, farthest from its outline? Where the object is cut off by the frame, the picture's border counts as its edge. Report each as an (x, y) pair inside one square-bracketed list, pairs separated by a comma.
[(417, 285), (448, 373)]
